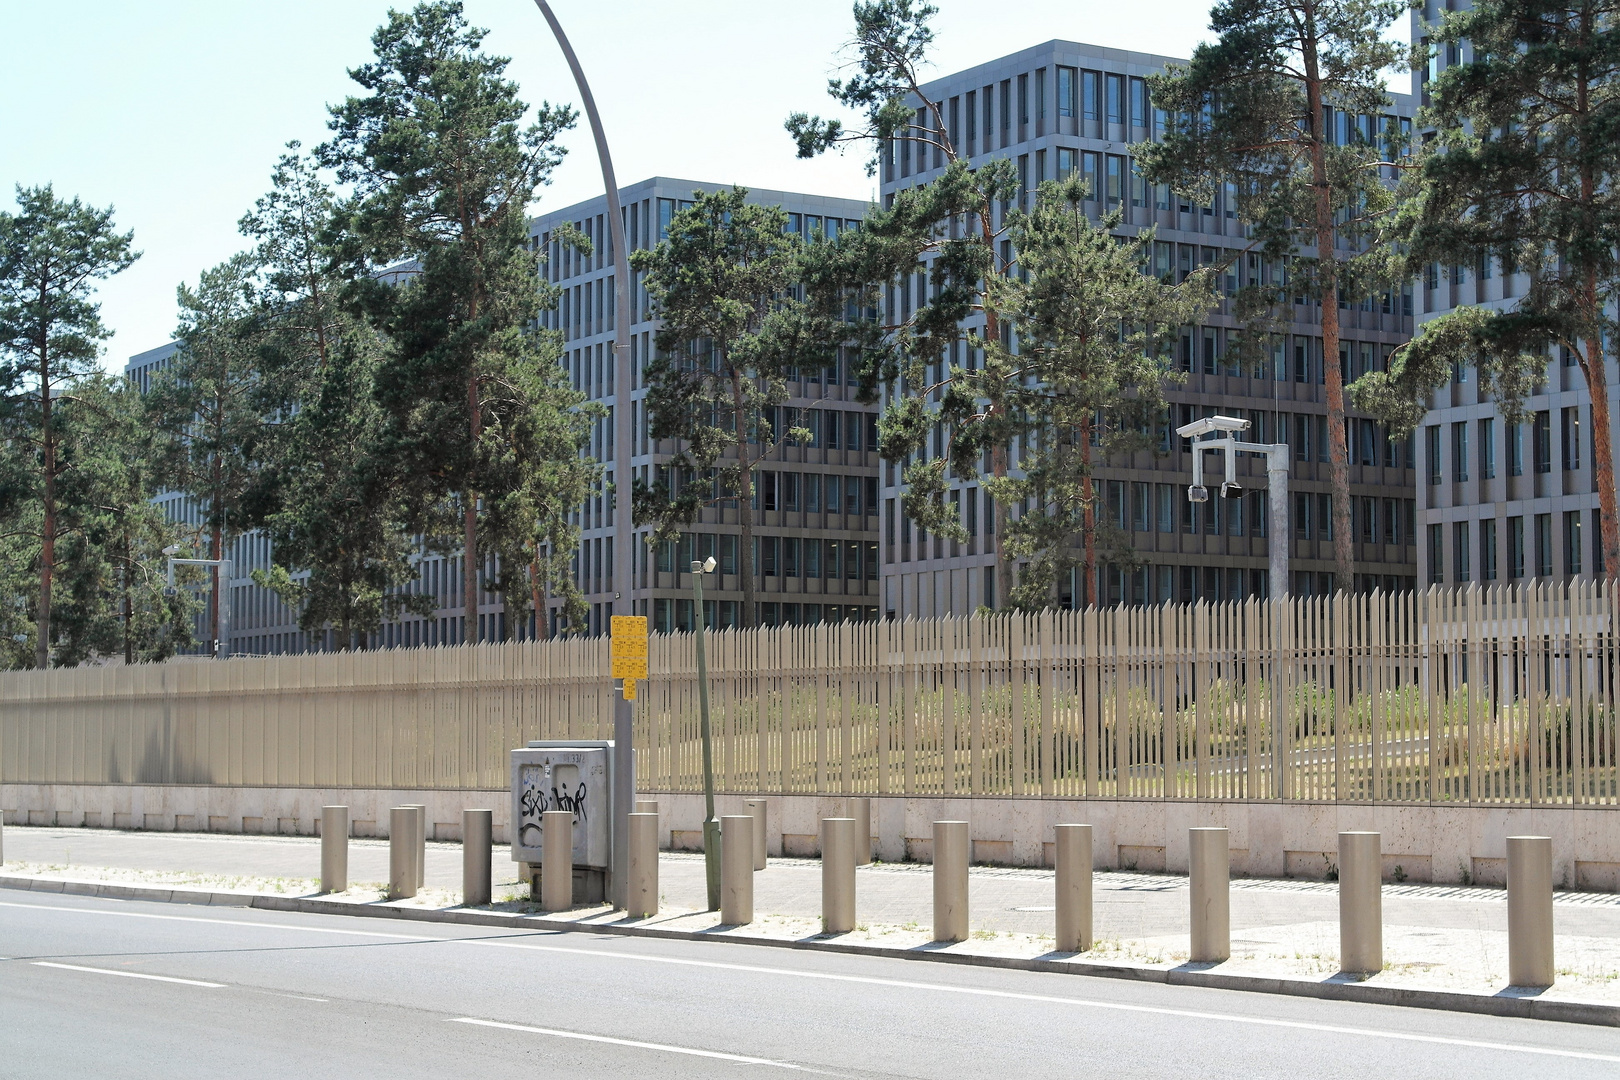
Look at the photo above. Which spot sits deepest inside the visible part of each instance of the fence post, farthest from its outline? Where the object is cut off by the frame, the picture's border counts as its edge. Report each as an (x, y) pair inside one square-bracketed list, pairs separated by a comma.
[(641, 899), (334, 849), (861, 811), (1530, 911), (556, 860), (1361, 902), (839, 844), (951, 880), (756, 810), (401, 852), (737, 869), (1210, 864), (477, 871), (1072, 856)]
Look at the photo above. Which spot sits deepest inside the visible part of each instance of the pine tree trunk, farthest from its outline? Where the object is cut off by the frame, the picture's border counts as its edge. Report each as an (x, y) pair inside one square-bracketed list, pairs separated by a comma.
[(745, 505), (537, 596), (469, 526), (129, 607), (1597, 384), (216, 544), (47, 545), (1088, 517)]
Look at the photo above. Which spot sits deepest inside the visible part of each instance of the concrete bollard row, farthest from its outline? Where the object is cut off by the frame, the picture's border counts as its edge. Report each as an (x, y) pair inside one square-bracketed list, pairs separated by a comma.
[(403, 851), (334, 849), (1209, 859), (737, 869), (951, 856), (839, 853), (477, 869), (1361, 902), (556, 860), (641, 897), (1530, 911), (1072, 861)]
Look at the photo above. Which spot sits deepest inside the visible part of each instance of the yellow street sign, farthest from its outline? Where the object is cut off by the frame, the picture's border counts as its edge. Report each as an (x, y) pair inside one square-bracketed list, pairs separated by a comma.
[(627, 647), (629, 689), (629, 667), (630, 626)]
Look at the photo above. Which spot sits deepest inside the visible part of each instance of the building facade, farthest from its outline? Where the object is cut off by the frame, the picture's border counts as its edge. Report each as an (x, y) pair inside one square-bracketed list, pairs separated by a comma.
[(1501, 503), (1062, 107)]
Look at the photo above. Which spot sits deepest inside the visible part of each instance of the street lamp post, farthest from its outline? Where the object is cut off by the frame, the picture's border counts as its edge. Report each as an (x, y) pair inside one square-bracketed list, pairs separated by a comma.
[(711, 824), (624, 761)]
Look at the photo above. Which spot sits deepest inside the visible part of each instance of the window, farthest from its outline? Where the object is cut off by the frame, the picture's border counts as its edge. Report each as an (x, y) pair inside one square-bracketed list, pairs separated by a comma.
[(1544, 566), (728, 553), (1115, 189), (1459, 451), (1090, 166), (1487, 550), (1542, 442), (1023, 99), (1515, 449), (1141, 507), (1570, 432), (1437, 564), (1487, 451), (790, 490), (812, 493), (790, 556), (1116, 99), (1065, 163), (1572, 541), (1139, 103), (1515, 539), (1090, 91), (1167, 508), (1459, 550), (1431, 435), (1067, 105)]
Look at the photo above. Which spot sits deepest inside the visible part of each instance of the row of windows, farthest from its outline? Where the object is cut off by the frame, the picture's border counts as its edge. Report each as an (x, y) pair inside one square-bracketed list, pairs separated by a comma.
[(774, 556), (670, 616), (1483, 455), (1540, 549)]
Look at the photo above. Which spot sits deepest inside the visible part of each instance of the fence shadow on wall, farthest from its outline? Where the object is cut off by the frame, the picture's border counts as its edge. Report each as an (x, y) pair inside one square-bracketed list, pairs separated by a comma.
[(1486, 696)]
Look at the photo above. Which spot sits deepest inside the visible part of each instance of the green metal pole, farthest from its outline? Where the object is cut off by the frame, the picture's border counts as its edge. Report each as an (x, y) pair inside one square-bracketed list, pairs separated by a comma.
[(711, 824)]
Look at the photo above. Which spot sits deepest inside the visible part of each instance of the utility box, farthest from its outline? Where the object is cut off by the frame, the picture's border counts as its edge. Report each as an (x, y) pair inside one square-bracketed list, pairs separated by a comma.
[(576, 776)]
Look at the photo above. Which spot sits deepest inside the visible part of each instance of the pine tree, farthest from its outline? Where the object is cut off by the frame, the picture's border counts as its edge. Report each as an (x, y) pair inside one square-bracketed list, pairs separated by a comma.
[(1094, 330), (945, 239), (721, 285), (443, 170), (1253, 114), (1522, 171), (52, 252)]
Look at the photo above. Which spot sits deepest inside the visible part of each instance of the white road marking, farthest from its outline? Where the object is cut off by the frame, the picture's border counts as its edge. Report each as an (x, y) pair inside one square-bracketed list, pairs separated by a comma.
[(554, 1033), (944, 988), (128, 974)]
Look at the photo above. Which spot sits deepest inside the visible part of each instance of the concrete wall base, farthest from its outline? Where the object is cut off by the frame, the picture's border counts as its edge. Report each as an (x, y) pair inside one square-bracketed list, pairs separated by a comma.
[(1439, 843)]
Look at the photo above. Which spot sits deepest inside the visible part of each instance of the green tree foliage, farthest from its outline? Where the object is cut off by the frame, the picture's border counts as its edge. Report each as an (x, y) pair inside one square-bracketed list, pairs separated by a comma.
[(1523, 171), (942, 241), (483, 430), (52, 253), (207, 409), (1254, 114), (721, 284), (1095, 332)]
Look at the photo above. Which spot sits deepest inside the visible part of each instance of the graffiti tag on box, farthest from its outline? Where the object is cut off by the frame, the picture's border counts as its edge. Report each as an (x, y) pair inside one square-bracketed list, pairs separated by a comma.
[(553, 785)]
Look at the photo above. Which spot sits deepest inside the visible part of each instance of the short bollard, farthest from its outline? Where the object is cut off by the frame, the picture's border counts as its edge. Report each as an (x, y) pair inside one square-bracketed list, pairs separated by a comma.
[(647, 806), (838, 847), (401, 852), (1210, 865), (950, 880), (861, 811), (334, 848), (1361, 902), (421, 843), (737, 869), (1072, 857), (641, 898), (556, 860), (756, 809), (477, 870), (1530, 911)]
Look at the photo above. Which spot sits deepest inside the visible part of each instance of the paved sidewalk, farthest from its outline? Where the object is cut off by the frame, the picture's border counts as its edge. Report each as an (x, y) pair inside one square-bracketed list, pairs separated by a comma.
[(1442, 937)]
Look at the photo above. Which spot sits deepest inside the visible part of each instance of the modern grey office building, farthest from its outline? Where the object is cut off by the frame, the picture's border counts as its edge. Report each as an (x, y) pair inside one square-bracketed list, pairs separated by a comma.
[(1062, 107), (1498, 502)]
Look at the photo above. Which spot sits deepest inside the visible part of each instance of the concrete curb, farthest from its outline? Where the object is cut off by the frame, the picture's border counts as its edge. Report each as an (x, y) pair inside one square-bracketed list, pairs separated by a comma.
[(1523, 1006)]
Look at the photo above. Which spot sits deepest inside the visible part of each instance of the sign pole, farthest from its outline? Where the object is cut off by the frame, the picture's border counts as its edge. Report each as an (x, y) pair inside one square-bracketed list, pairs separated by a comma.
[(711, 824)]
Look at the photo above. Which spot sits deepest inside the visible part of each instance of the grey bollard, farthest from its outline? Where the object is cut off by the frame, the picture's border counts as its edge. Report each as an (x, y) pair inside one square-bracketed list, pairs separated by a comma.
[(861, 811), (641, 898), (556, 860), (477, 870), (950, 880), (1210, 866), (421, 843), (401, 852), (839, 842), (1072, 856), (1361, 902), (737, 869), (756, 808), (646, 806), (334, 849), (1530, 911)]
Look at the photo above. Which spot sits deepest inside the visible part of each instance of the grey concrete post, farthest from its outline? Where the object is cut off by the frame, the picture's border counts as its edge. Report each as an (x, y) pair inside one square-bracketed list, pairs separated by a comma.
[(951, 880), (1530, 911), (1210, 864), (839, 843), (556, 860), (334, 848), (1072, 856), (756, 808), (477, 871), (401, 852), (641, 899), (737, 869), (1361, 902), (861, 811), (646, 806), (421, 843)]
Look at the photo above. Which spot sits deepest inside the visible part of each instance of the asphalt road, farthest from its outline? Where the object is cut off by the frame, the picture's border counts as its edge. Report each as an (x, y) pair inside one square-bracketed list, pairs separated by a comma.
[(122, 989)]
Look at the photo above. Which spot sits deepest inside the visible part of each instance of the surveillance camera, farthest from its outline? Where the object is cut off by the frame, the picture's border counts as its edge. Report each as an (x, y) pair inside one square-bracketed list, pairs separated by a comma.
[(1198, 493), (1211, 424), (708, 565), (1231, 490)]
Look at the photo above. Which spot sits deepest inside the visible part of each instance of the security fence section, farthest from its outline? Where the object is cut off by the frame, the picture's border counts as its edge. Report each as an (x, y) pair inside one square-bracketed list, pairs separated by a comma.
[(1479, 696)]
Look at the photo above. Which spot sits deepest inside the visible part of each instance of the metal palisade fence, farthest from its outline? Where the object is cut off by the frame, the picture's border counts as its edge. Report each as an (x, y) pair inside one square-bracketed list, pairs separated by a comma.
[(1496, 695)]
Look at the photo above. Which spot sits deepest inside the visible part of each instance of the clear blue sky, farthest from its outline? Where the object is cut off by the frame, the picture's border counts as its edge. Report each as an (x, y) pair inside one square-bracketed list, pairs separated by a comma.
[(174, 112)]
